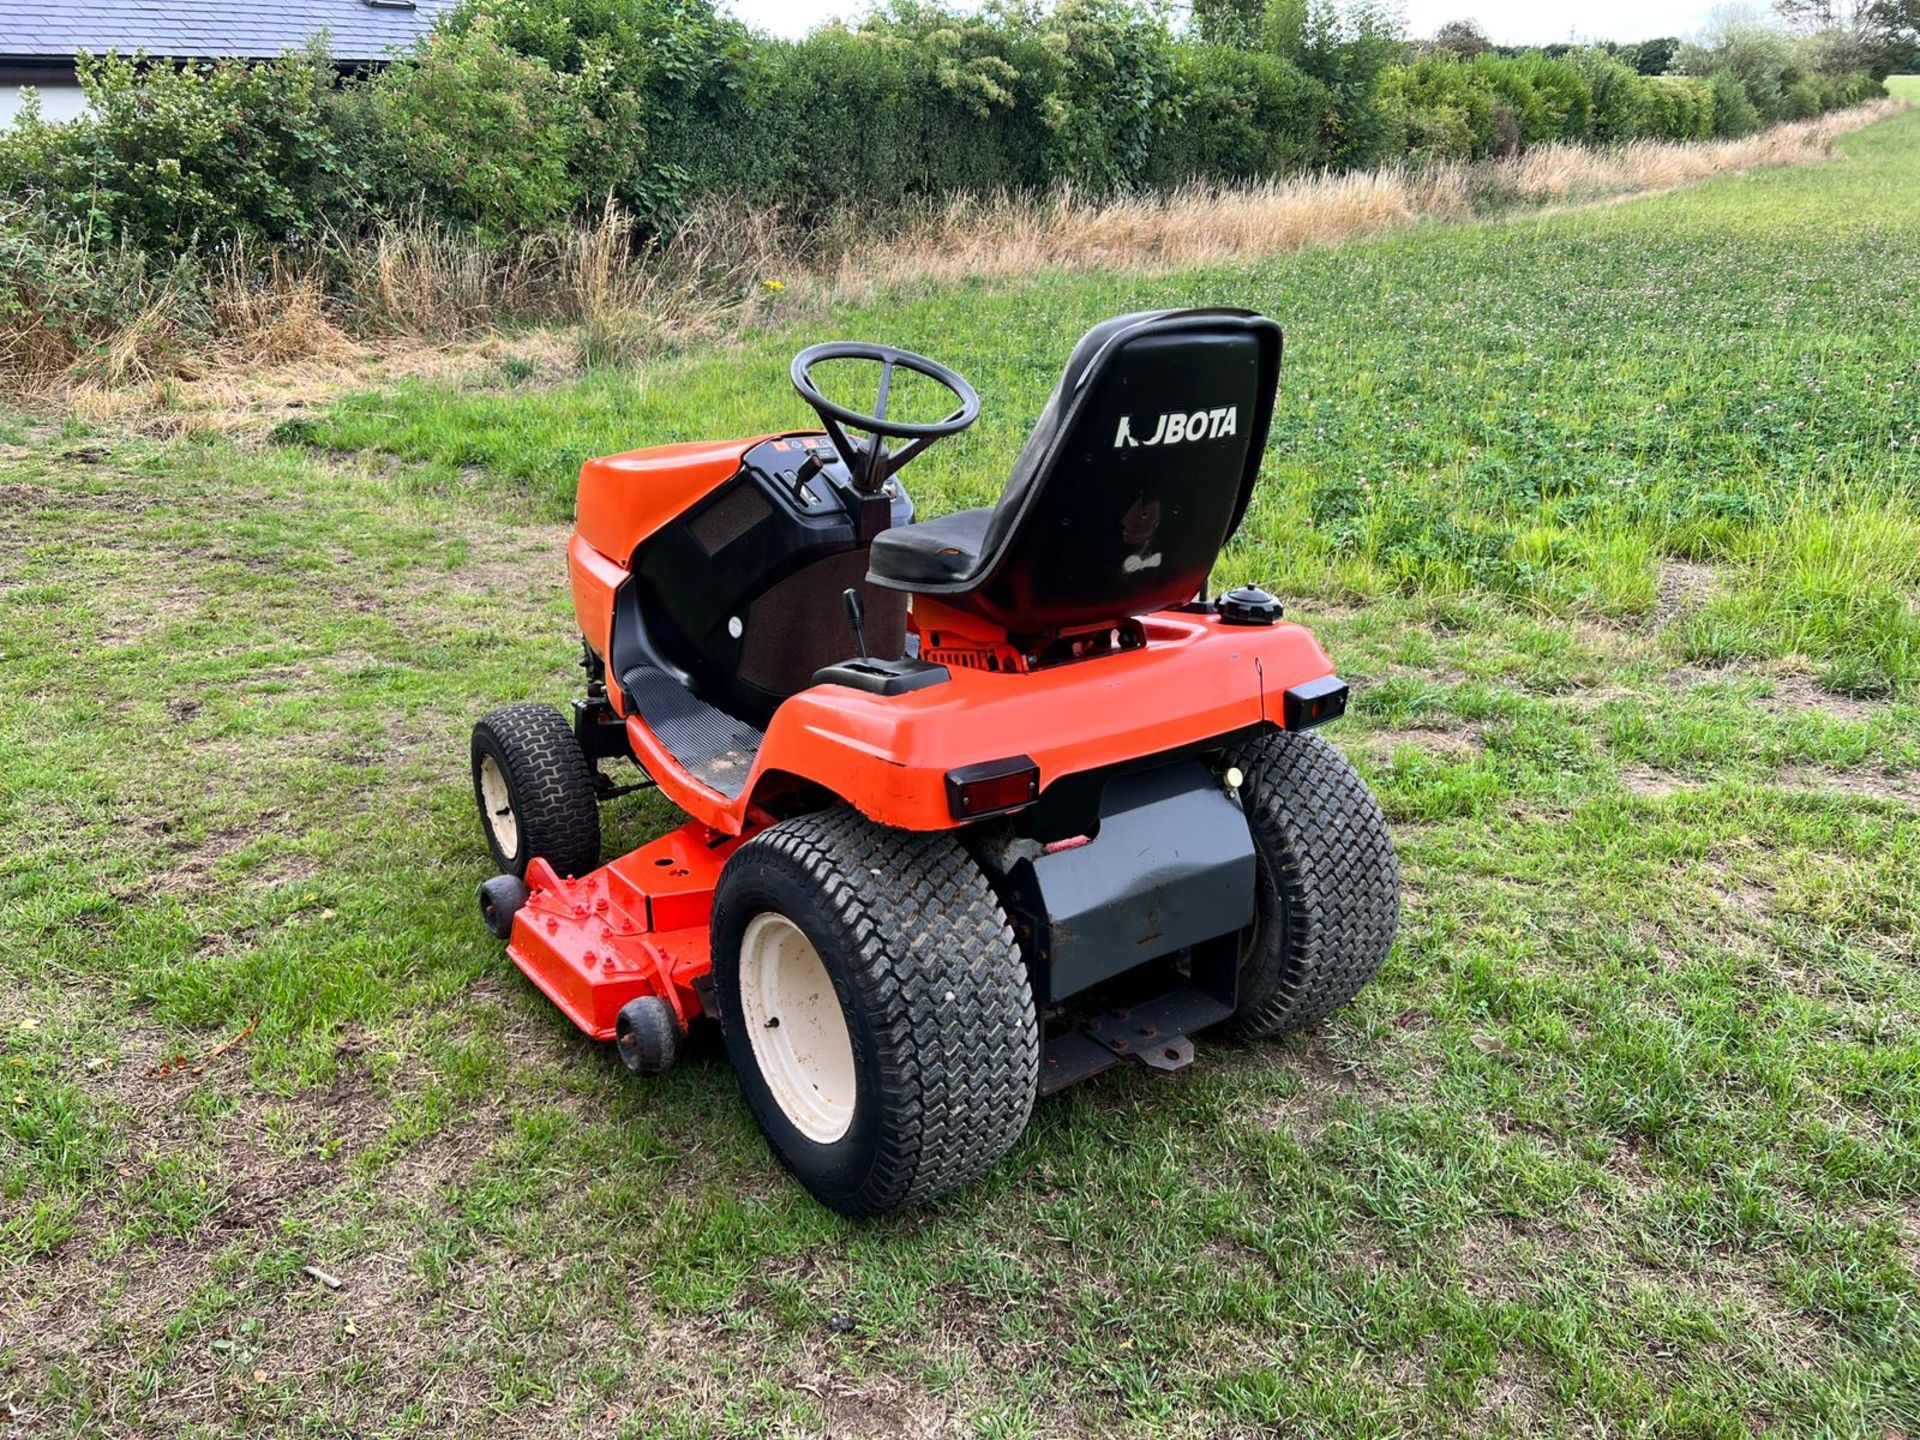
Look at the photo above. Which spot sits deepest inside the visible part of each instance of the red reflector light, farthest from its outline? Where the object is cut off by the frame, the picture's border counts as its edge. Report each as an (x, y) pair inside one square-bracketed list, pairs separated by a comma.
[(1315, 702), (991, 787)]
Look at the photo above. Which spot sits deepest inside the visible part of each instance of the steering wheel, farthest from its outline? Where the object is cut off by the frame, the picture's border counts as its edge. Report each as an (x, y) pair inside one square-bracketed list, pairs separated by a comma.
[(875, 463)]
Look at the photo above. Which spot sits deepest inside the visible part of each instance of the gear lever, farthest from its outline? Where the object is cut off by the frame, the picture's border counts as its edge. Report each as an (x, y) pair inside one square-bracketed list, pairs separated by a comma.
[(857, 617)]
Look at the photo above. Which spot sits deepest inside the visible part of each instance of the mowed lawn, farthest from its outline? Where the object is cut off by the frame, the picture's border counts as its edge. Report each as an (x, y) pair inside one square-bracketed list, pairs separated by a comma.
[(1612, 517)]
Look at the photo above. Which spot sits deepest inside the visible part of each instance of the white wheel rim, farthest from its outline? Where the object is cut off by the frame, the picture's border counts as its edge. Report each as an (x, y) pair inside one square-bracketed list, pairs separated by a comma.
[(502, 823), (796, 1028)]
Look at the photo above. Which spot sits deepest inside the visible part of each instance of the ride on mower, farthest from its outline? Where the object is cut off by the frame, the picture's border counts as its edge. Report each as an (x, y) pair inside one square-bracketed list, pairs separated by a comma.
[(979, 805)]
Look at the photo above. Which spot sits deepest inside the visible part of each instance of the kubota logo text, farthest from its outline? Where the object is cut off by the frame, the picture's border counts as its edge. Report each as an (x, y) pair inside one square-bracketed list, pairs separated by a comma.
[(1175, 427)]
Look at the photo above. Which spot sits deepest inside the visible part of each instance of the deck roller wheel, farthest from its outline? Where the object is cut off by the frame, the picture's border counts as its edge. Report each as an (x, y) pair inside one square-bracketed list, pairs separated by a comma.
[(500, 900), (648, 1035)]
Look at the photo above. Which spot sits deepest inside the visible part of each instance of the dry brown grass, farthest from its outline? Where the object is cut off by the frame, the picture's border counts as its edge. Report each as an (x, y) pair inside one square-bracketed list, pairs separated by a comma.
[(1005, 235), (267, 331)]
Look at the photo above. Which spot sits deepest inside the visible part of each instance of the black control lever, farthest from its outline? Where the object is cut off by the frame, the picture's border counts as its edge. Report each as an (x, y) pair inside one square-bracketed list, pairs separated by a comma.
[(857, 617)]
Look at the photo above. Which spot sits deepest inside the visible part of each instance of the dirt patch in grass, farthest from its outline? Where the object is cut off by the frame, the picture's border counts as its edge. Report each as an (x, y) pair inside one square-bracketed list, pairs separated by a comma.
[(1893, 789), (1653, 784), (209, 1299), (1683, 587), (1797, 690), (1459, 741), (1323, 1082), (195, 863)]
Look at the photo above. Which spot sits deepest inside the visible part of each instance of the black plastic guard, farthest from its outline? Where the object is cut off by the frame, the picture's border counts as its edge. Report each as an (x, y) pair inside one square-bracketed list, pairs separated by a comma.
[(1171, 866)]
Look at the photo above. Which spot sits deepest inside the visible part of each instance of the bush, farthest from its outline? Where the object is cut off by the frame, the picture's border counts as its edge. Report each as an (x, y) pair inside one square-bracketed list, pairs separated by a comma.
[(648, 77), (481, 134), (1237, 115), (1620, 102), (1838, 92), (1800, 101), (1679, 108), (172, 158), (1546, 99), (1443, 109), (1733, 111), (1756, 55), (1565, 98), (1114, 73), (1349, 51)]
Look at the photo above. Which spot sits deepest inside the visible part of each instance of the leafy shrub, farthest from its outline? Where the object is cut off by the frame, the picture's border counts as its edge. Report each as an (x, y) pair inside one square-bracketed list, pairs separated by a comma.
[(1734, 113), (1547, 99), (1237, 115), (1565, 97), (1350, 51), (649, 77), (482, 134), (169, 158), (1444, 109), (1756, 55), (1838, 92), (1800, 101), (1114, 70), (1678, 108), (1620, 101)]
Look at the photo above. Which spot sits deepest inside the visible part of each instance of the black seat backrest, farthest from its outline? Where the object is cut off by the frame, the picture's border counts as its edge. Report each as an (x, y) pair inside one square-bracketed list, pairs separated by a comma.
[(1136, 473)]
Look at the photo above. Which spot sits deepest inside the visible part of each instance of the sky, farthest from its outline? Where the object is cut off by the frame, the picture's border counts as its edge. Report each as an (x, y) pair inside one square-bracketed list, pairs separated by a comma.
[(1510, 22)]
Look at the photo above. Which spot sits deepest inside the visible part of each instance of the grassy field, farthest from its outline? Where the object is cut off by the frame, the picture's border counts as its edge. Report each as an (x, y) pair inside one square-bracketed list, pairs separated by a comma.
[(1613, 518)]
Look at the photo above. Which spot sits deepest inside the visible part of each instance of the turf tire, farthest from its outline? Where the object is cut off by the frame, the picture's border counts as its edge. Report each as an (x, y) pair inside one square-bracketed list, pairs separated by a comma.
[(1327, 884), (938, 1005), (549, 787)]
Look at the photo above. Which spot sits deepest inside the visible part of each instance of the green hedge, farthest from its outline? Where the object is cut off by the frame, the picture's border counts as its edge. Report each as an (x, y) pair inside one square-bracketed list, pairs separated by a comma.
[(518, 113)]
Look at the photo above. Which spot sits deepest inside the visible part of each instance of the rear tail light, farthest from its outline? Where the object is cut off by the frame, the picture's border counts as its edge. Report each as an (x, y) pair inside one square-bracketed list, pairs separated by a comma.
[(992, 787), (1315, 702)]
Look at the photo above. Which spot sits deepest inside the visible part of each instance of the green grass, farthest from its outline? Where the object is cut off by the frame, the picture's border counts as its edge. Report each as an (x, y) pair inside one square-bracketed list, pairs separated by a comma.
[(1610, 516)]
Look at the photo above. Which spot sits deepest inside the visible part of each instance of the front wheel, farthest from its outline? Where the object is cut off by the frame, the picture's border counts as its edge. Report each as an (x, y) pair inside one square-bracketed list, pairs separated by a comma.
[(876, 1008), (534, 789), (1327, 883)]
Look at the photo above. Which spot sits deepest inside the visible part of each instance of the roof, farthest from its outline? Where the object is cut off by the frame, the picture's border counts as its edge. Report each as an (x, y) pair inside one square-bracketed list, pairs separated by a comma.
[(357, 30)]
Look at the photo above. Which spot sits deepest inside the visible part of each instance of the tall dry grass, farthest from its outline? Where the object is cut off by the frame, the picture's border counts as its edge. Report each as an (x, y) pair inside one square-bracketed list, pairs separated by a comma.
[(1010, 235), (413, 288)]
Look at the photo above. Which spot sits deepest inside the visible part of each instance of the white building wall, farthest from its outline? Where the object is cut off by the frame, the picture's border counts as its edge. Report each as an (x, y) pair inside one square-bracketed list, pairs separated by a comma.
[(57, 102)]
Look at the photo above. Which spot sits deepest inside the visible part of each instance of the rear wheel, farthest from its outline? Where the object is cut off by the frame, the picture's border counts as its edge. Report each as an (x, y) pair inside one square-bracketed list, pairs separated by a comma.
[(535, 792), (876, 1008), (1327, 884)]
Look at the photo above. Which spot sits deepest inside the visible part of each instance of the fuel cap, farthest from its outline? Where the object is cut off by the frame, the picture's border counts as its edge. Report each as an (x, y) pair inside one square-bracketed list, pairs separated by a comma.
[(1248, 605)]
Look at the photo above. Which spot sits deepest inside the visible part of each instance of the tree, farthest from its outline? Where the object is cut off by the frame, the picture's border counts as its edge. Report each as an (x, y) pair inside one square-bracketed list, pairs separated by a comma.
[(1229, 22), (1464, 38), (1738, 41), (1653, 57), (1347, 49), (1846, 37)]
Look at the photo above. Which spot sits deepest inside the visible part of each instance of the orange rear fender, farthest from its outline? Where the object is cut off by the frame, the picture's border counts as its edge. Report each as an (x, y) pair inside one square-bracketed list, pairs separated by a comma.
[(888, 756)]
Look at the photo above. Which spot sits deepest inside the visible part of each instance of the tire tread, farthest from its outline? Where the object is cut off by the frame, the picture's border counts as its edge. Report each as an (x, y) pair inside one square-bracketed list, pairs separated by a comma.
[(552, 784), (949, 998), (1325, 844)]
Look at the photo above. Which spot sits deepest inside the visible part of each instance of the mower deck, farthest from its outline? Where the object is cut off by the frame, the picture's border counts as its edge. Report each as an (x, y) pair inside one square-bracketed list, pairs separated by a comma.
[(635, 926)]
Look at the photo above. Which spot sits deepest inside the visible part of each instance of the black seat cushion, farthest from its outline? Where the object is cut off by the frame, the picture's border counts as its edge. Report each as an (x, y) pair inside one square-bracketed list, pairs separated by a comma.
[(932, 552), (1137, 471)]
